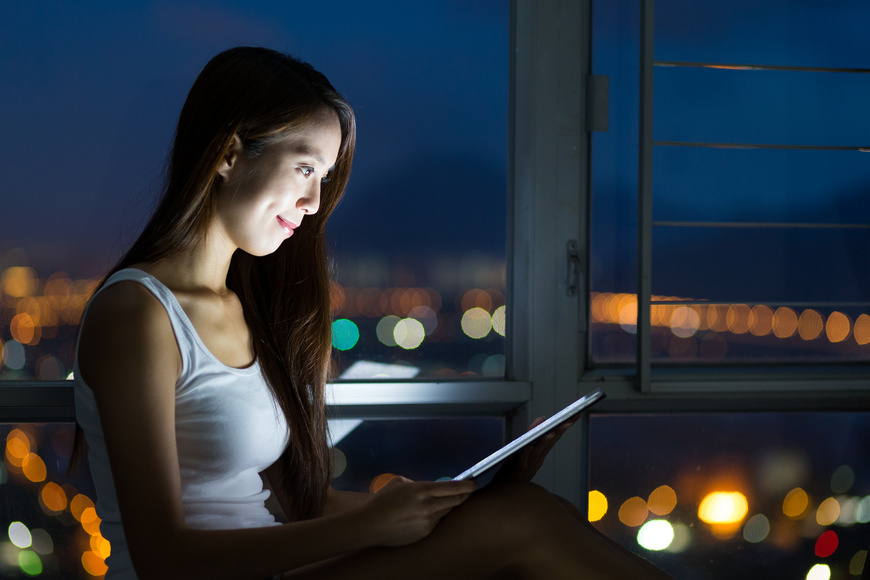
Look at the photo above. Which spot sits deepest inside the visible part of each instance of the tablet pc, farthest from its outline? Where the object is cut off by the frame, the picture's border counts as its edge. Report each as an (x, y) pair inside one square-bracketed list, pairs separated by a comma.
[(531, 436)]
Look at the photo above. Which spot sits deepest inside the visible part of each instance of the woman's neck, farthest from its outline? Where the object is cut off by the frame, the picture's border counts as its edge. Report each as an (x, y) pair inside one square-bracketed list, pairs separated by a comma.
[(203, 267)]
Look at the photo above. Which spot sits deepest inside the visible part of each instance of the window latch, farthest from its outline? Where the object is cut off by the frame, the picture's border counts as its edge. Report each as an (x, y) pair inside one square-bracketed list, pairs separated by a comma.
[(574, 271)]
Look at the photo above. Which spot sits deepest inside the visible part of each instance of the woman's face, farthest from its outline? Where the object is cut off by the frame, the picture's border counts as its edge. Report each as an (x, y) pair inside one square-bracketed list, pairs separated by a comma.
[(261, 201)]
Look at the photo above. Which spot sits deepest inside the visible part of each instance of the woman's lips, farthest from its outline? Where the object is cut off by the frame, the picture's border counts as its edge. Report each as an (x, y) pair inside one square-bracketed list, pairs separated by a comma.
[(287, 226)]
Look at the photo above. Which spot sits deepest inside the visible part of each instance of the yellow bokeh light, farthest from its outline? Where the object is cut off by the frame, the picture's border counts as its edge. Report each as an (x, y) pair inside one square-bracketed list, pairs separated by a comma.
[(828, 512), (795, 503), (597, 505), (723, 507), (18, 282), (476, 323), (838, 327), (34, 468), (100, 546), (810, 324), (785, 322), (633, 512), (53, 497), (662, 500)]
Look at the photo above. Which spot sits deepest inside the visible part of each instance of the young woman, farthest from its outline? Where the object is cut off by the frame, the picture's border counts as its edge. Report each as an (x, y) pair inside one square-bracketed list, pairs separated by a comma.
[(202, 362)]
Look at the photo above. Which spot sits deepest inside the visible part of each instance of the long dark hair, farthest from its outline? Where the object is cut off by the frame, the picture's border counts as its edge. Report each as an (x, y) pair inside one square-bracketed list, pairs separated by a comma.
[(262, 96)]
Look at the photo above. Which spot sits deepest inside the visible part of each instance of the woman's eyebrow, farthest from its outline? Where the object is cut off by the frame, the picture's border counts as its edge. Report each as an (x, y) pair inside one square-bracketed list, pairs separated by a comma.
[(306, 149)]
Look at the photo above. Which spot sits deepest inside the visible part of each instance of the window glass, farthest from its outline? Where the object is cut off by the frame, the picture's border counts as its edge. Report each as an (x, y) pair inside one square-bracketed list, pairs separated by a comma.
[(721, 496), (759, 216), (90, 97), (49, 528)]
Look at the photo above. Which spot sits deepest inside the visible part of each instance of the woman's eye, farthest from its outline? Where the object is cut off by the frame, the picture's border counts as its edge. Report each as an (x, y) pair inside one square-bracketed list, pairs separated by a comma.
[(306, 171)]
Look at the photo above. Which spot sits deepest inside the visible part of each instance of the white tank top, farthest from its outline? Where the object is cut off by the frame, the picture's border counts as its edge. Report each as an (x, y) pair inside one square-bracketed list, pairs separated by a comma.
[(228, 428)]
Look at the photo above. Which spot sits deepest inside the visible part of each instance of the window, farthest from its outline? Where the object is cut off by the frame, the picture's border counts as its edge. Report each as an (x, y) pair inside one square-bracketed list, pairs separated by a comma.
[(754, 234), (574, 244), (92, 109)]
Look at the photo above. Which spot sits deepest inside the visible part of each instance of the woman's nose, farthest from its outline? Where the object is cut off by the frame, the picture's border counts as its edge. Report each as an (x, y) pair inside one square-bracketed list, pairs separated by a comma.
[(310, 202)]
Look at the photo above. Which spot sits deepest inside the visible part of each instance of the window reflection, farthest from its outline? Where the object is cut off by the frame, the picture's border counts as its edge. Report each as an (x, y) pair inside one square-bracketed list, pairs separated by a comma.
[(721, 496)]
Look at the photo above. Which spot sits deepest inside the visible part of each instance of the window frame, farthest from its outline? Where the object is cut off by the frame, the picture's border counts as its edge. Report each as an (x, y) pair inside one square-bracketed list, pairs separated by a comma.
[(547, 284)]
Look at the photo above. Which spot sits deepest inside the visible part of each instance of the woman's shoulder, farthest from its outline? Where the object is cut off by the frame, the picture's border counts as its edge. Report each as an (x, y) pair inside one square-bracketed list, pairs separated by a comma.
[(124, 300), (125, 321)]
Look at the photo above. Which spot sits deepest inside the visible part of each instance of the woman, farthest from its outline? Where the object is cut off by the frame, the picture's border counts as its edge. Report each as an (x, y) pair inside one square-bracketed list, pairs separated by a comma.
[(202, 362)]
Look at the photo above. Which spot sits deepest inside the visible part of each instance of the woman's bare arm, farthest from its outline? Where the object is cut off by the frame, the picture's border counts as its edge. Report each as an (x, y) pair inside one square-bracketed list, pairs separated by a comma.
[(129, 357)]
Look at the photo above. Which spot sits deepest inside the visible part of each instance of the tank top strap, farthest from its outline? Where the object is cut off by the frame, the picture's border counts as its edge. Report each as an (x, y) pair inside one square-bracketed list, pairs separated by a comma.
[(185, 334)]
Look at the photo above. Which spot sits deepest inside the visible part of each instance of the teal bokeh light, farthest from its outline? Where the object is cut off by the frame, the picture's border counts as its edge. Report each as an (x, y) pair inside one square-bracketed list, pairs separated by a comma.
[(345, 334)]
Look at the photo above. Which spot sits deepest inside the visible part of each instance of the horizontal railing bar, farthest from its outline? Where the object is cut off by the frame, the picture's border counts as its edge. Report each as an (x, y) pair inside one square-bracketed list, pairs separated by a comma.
[(731, 66), (761, 303), (760, 225), (714, 145)]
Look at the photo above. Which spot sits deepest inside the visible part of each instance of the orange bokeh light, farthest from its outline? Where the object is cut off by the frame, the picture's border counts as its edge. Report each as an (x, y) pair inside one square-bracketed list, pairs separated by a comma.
[(53, 497), (17, 447), (737, 318), (785, 322), (839, 327), (90, 521), (761, 320), (100, 546), (862, 330), (662, 500), (810, 324), (633, 512), (723, 507), (34, 468), (25, 329), (380, 481), (93, 564), (79, 504)]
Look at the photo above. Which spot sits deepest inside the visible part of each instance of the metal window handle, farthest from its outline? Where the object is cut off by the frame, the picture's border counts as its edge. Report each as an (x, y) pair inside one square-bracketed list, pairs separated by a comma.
[(573, 271)]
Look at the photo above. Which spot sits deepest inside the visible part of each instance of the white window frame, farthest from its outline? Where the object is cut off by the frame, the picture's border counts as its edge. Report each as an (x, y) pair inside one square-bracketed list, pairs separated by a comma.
[(547, 295)]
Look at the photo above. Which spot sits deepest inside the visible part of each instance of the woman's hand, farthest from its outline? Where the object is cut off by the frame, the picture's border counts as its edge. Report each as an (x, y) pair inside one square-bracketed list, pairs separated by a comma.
[(405, 511), (525, 464)]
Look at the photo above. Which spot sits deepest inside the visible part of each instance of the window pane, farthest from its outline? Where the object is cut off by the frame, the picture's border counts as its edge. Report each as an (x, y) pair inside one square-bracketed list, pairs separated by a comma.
[(714, 105), (717, 211), (760, 185), (47, 530), (719, 496), (420, 449), (776, 32), (90, 98)]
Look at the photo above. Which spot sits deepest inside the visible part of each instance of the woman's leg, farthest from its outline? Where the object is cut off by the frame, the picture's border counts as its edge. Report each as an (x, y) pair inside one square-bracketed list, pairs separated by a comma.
[(509, 531)]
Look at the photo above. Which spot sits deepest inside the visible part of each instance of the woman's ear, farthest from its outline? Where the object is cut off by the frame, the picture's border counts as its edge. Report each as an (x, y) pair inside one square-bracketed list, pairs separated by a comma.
[(232, 157)]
